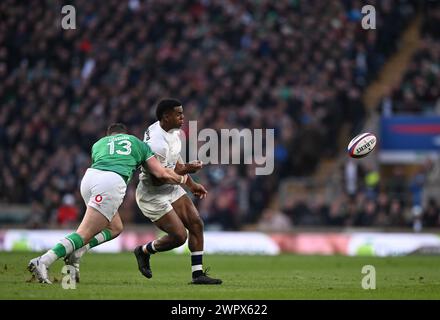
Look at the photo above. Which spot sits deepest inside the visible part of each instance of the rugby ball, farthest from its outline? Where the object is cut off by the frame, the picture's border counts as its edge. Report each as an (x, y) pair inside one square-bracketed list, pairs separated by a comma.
[(361, 145)]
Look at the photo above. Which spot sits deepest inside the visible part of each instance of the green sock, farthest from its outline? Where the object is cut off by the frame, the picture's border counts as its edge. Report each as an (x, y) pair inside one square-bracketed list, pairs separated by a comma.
[(67, 245), (104, 236), (63, 248)]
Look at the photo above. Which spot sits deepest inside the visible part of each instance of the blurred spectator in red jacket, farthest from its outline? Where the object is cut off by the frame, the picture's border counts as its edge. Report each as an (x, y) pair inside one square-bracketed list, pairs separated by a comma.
[(67, 213)]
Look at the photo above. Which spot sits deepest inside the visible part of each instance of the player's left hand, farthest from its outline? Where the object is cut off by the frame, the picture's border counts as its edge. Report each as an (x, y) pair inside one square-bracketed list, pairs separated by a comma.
[(199, 190)]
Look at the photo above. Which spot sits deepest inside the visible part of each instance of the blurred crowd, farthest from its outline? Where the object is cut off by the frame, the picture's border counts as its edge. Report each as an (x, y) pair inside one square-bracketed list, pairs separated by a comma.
[(299, 67), (419, 91), (365, 199)]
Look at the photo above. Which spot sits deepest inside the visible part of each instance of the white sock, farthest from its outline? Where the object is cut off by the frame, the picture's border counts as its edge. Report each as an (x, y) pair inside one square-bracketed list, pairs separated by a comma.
[(48, 258)]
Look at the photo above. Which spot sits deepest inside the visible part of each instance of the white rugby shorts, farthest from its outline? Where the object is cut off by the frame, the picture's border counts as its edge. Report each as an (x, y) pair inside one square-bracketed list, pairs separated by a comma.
[(103, 191), (155, 202)]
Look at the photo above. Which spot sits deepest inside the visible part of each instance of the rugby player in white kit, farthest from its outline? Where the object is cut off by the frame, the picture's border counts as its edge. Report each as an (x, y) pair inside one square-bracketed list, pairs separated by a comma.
[(166, 205)]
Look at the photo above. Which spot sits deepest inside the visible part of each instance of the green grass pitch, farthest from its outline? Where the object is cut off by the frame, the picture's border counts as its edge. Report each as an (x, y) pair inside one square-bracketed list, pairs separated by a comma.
[(115, 276)]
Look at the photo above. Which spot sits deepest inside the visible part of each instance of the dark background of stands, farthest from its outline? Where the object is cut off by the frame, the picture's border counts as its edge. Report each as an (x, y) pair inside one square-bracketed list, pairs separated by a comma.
[(300, 67)]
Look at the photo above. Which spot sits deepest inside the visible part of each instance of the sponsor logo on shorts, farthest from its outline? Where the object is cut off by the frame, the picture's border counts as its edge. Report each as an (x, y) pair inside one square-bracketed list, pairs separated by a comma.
[(98, 198)]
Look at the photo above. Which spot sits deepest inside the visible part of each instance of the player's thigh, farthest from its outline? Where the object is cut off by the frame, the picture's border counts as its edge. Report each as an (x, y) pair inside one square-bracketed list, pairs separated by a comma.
[(187, 212), (92, 223), (171, 224)]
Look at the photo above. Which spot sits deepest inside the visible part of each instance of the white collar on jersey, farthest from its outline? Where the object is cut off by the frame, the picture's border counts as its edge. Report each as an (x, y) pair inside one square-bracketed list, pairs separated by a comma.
[(171, 131)]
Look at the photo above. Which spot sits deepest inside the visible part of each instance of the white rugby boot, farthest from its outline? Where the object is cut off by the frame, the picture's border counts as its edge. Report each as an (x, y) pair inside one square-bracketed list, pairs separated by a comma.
[(39, 270)]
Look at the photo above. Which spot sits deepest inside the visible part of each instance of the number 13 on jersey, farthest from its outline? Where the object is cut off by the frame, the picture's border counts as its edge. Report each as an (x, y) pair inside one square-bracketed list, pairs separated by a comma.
[(124, 150)]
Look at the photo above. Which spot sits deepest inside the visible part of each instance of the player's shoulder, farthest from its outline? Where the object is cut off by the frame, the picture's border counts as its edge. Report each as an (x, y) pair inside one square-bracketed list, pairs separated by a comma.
[(155, 130), (157, 142), (155, 134), (100, 141), (132, 137)]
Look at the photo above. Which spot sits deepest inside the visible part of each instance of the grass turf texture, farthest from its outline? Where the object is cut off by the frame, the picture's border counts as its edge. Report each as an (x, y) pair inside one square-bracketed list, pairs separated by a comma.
[(115, 276)]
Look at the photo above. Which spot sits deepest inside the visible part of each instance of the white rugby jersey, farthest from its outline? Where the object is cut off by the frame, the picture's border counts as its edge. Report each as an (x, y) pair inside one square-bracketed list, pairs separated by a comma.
[(165, 145)]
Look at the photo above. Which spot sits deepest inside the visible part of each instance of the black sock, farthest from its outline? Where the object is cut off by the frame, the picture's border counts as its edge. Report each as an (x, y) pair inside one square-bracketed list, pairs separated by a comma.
[(196, 263)]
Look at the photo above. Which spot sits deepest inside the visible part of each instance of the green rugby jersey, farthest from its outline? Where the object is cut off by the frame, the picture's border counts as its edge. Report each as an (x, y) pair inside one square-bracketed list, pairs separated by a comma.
[(120, 153)]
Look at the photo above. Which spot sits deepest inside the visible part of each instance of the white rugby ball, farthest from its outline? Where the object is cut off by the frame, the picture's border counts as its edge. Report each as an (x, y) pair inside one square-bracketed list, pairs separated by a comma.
[(361, 145)]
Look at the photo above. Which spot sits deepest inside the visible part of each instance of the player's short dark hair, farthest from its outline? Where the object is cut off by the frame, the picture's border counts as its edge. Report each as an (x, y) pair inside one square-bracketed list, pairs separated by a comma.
[(166, 105), (116, 128)]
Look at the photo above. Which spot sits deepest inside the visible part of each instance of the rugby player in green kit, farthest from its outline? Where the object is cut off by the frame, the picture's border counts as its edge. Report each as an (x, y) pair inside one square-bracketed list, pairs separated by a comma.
[(114, 160)]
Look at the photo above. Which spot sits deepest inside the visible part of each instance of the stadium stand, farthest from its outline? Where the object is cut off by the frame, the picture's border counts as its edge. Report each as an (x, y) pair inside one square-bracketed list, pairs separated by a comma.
[(300, 67)]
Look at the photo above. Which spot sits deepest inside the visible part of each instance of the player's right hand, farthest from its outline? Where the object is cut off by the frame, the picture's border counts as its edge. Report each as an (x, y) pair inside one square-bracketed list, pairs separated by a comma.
[(194, 166), (198, 190)]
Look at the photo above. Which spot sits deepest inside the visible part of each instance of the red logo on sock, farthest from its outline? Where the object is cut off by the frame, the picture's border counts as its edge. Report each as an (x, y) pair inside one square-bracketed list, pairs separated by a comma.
[(98, 198)]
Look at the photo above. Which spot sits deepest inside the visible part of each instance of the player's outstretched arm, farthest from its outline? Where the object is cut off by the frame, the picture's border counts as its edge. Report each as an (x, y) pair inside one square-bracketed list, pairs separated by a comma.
[(185, 168), (164, 174)]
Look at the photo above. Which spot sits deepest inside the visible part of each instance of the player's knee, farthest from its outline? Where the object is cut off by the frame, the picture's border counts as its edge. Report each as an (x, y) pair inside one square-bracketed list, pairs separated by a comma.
[(180, 238), (119, 228), (116, 229)]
